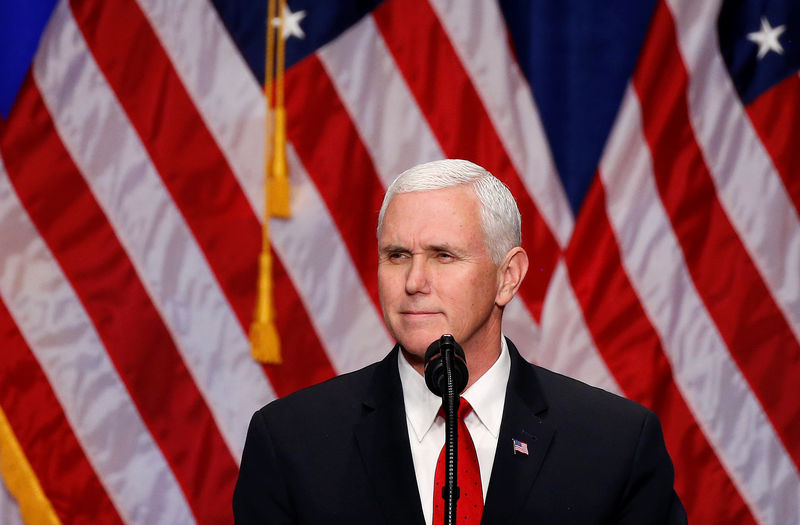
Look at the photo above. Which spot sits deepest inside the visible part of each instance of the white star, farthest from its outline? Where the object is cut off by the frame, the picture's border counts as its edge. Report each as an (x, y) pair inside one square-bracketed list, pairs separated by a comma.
[(767, 38), (291, 23)]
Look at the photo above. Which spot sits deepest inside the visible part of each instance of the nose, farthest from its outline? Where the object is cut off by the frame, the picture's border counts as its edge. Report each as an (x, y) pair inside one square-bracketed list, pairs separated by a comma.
[(417, 277)]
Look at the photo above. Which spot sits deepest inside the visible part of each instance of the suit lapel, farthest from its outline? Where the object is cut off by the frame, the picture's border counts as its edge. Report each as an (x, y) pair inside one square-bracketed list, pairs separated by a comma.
[(513, 473), (382, 438)]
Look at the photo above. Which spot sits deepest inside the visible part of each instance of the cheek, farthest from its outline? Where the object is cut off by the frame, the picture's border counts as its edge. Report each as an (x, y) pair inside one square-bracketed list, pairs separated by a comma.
[(387, 283), (480, 291)]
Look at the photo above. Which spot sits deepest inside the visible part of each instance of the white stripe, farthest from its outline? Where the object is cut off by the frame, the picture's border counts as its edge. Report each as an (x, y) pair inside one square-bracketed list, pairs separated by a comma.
[(709, 380), (479, 36), (95, 401), (748, 186), (9, 509), (567, 345), (521, 328), (168, 261), (309, 245), (376, 96)]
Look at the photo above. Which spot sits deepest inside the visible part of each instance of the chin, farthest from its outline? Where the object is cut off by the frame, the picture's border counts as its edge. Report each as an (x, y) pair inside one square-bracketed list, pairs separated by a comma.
[(419, 343)]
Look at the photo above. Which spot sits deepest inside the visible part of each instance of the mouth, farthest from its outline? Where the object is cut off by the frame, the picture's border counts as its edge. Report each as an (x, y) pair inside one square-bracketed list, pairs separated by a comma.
[(419, 315)]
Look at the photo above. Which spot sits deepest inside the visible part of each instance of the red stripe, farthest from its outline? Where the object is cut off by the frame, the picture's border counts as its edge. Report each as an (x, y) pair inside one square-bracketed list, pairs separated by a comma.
[(632, 350), (46, 438), (337, 161), (75, 229), (776, 118), (454, 110), (193, 169), (754, 329)]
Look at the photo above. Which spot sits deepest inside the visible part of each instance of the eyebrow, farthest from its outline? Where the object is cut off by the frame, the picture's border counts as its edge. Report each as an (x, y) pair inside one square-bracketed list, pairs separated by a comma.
[(444, 247), (391, 248)]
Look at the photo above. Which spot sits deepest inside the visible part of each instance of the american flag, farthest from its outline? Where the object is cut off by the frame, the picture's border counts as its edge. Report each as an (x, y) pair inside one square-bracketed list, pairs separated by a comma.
[(520, 446), (652, 147)]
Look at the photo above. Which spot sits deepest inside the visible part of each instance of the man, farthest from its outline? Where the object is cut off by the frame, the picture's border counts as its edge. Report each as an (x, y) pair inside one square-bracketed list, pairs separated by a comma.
[(363, 447)]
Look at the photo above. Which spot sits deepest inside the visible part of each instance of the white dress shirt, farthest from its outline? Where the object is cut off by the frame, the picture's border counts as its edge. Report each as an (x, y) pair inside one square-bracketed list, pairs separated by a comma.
[(426, 427)]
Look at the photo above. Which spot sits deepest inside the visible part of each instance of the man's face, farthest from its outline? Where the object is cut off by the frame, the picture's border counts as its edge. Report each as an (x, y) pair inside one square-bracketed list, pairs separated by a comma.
[(435, 273)]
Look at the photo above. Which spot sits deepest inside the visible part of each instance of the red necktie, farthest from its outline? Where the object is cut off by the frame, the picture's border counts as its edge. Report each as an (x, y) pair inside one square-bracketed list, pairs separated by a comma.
[(469, 507)]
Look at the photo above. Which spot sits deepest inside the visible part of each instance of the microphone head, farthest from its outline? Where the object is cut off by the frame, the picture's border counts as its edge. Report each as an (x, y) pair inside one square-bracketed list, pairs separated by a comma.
[(435, 372)]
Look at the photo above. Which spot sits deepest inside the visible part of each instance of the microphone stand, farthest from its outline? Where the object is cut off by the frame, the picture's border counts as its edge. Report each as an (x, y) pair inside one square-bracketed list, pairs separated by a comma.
[(446, 376), (450, 401)]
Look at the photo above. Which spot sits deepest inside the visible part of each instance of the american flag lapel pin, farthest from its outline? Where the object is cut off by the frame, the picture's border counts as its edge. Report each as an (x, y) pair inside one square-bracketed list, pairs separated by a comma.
[(520, 446)]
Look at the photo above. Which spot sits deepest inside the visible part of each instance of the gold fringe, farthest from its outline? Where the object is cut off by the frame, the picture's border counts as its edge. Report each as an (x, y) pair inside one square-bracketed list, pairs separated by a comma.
[(278, 170), (21, 480), (264, 340), (278, 178)]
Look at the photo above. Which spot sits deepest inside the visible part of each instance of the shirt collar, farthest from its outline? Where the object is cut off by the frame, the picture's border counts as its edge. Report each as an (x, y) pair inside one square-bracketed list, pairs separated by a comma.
[(486, 395)]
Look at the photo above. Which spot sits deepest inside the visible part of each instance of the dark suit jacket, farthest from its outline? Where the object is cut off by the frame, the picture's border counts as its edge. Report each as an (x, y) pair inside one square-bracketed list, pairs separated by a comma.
[(338, 452)]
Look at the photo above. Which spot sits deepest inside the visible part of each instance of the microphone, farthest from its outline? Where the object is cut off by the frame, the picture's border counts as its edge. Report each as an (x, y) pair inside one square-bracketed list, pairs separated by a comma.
[(446, 376), (439, 354)]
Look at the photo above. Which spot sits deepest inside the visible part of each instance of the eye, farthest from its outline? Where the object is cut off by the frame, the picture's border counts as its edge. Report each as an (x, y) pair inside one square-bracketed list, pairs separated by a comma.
[(445, 256), (396, 255)]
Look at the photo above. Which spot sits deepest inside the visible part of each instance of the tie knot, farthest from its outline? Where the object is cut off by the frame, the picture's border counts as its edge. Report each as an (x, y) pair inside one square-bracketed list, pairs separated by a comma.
[(464, 409)]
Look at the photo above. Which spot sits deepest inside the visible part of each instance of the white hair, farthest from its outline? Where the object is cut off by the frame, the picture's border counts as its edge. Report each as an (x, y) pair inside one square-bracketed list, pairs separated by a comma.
[(500, 218)]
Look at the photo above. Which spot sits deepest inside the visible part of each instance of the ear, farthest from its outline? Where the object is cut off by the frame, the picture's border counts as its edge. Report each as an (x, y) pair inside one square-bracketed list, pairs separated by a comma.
[(510, 274)]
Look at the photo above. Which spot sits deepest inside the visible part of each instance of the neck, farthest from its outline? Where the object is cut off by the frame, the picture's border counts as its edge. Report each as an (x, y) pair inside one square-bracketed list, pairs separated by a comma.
[(478, 362)]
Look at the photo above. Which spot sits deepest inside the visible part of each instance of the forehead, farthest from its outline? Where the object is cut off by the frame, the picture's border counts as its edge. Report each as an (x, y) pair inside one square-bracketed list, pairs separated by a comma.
[(448, 212)]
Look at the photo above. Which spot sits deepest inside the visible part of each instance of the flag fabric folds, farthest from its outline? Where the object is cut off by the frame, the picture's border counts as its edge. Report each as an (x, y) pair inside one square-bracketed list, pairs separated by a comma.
[(651, 147)]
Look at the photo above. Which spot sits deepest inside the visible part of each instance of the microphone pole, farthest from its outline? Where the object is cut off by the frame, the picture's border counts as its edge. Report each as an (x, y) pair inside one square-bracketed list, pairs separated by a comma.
[(446, 376)]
